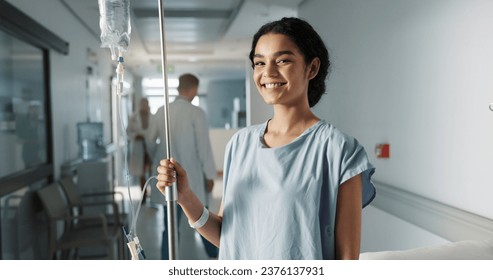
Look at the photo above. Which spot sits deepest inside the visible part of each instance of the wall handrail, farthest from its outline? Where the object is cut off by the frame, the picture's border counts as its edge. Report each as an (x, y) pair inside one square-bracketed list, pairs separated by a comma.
[(441, 219)]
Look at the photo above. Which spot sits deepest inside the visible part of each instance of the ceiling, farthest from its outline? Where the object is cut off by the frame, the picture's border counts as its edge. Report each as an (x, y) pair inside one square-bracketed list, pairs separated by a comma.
[(210, 38)]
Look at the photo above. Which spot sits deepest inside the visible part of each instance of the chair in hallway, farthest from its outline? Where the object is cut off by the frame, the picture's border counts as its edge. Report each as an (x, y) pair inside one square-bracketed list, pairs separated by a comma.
[(94, 201), (97, 242)]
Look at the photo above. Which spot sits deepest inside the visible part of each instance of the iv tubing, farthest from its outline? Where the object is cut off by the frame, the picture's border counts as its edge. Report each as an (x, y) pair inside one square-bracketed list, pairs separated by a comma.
[(171, 192), (134, 245)]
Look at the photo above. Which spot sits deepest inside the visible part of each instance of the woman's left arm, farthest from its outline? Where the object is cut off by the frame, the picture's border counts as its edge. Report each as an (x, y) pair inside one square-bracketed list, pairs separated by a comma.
[(348, 219)]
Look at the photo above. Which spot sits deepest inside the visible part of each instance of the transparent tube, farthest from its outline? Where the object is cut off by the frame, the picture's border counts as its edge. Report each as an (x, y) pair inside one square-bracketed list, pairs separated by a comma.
[(114, 21), (134, 245), (120, 70)]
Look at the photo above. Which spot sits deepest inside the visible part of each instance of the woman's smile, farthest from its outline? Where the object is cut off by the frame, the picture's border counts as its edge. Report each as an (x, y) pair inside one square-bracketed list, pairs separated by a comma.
[(273, 85)]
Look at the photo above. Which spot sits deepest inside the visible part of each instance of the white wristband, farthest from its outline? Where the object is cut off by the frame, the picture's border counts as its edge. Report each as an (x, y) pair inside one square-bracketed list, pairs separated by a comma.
[(201, 221)]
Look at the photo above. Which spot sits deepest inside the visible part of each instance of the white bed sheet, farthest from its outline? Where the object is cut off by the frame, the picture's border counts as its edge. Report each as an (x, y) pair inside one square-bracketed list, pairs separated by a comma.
[(461, 250)]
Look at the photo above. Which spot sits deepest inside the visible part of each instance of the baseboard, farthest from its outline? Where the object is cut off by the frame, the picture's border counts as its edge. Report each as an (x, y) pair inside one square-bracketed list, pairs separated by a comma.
[(448, 222)]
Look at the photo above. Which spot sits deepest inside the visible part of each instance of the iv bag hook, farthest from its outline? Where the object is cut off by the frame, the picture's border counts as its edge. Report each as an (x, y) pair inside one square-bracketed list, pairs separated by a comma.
[(171, 192)]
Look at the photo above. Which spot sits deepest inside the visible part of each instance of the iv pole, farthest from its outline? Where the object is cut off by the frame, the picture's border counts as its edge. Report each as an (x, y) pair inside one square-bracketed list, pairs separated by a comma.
[(171, 192)]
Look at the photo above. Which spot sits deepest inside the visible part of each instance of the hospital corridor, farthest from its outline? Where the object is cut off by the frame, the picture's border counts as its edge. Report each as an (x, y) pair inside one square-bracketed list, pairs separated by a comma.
[(96, 94)]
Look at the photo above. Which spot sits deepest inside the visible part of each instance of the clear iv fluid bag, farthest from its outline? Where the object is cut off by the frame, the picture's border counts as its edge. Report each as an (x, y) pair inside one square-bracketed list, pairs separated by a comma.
[(114, 21)]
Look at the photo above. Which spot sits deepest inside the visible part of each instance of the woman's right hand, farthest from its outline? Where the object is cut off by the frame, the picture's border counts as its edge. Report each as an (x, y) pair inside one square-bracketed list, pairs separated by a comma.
[(170, 171)]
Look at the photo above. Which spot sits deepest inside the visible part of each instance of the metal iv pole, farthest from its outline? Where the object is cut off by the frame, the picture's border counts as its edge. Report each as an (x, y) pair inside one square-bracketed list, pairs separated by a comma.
[(171, 192)]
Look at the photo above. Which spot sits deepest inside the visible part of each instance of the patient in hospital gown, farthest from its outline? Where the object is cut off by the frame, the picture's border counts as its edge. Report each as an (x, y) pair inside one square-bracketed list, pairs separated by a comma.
[(294, 186)]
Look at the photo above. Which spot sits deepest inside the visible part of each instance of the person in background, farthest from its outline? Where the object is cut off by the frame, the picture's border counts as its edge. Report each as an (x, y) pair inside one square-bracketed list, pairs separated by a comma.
[(137, 131), (190, 143), (30, 133), (293, 186)]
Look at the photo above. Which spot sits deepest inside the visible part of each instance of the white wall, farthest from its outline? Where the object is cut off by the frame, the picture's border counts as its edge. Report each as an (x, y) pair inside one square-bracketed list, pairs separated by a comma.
[(69, 96), (219, 140), (257, 111), (418, 75)]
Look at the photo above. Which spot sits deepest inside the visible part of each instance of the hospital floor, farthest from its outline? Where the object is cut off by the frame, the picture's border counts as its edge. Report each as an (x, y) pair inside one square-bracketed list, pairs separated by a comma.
[(150, 225)]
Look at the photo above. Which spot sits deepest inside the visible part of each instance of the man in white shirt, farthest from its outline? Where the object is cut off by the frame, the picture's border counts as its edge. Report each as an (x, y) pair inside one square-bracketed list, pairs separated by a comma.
[(190, 145)]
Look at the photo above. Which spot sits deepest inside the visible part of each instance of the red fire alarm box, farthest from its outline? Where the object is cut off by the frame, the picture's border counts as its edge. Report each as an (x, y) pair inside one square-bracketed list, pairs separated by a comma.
[(382, 150)]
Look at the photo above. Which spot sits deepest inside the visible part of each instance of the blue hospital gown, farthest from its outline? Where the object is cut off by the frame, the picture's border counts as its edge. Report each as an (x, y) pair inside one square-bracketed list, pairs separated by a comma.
[(280, 203)]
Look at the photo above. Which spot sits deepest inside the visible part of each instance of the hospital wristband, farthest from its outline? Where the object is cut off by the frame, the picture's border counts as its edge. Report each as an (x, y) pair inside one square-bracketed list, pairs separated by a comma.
[(201, 221)]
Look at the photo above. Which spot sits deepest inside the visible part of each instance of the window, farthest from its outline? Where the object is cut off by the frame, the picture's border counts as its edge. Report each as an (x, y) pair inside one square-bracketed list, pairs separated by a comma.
[(23, 128), (25, 122)]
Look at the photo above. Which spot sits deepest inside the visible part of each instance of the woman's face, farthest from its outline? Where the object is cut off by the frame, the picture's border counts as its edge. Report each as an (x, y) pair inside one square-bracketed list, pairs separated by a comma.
[(280, 71)]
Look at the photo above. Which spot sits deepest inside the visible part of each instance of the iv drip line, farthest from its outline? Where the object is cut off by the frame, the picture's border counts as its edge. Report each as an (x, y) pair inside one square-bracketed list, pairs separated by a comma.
[(135, 248), (115, 35)]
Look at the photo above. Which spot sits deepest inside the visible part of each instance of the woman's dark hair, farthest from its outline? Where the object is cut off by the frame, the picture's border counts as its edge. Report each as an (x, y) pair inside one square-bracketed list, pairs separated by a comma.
[(310, 45)]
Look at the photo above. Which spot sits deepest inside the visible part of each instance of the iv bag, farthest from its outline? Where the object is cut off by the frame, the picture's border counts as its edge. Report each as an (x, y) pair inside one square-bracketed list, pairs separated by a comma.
[(114, 21)]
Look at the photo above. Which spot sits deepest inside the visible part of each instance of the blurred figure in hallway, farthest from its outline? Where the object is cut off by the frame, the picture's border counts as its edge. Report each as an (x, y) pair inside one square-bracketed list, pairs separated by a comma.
[(140, 155), (30, 130), (190, 144)]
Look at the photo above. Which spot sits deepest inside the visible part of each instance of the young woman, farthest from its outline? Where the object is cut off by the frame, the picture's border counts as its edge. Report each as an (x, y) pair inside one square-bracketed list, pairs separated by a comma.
[(295, 185)]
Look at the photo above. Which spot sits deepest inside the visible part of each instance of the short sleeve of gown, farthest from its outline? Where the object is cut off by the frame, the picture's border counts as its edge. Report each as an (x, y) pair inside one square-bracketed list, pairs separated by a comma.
[(354, 161)]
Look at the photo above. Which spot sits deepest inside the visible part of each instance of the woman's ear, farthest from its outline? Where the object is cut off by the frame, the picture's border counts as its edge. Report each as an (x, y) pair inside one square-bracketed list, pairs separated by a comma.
[(313, 68)]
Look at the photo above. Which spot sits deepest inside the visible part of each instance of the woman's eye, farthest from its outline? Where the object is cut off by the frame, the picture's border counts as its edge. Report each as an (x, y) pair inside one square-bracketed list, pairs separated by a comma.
[(282, 61), (258, 63)]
